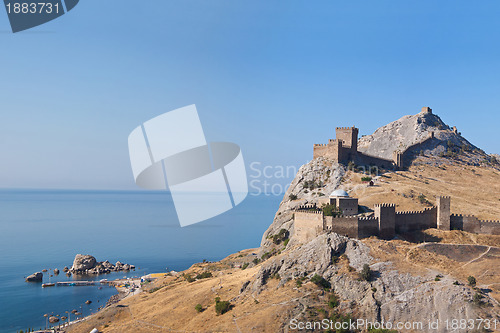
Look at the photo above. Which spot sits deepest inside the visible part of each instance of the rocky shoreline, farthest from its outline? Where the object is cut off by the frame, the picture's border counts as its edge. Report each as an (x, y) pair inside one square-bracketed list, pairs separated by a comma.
[(85, 264)]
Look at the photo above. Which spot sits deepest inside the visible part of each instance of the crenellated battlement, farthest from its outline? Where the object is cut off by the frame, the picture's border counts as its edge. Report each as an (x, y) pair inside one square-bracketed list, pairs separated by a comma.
[(385, 205), (462, 215), (490, 221), (345, 128), (367, 218)]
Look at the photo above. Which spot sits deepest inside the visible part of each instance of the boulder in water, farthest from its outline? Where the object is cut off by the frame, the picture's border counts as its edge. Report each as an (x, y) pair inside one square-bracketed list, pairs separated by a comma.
[(35, 277)]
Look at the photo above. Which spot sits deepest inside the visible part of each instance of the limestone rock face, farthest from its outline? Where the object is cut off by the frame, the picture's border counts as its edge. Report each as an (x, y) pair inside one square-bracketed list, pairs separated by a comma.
[(389, 295), (409, 130), (325, 174), (35, 277), (83, 262)]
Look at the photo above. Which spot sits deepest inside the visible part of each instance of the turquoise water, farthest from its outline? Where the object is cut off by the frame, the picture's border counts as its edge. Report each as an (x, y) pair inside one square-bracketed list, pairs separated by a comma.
[(47, 228)]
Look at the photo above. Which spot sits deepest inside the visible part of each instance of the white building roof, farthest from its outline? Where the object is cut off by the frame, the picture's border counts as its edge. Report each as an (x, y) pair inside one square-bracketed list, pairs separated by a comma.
[(339, 193)]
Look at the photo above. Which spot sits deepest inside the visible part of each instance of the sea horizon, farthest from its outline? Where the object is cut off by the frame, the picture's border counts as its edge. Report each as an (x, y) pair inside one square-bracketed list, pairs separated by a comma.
[(46, 228)]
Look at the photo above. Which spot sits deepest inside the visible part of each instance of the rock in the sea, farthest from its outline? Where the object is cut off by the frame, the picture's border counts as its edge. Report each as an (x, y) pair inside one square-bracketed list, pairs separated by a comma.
[(82, 263), (68, 274), (65, 269), (53, 319), (56, 271), (35, 277), (88, 302)]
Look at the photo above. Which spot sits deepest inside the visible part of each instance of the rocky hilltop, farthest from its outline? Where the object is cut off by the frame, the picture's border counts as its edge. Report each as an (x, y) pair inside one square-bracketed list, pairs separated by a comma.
[(412, 129)]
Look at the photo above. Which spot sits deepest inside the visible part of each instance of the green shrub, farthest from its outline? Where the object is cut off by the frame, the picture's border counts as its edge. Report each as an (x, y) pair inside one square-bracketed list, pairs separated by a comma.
[(256, 261), (285, 243), (335, 259), (477, 299), (222, 307), (292, 197), (331, 210), (204, 275), (281, 236), (472, 281), (245, 265), (333, 301), (189, 278), (366, 179), (198, 308), (366, 272), (320, 281)]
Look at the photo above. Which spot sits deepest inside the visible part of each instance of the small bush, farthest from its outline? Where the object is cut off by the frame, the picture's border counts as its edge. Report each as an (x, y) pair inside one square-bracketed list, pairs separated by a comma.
[(245, 265), (472, 281), (477, 299), (333, 301), (366, 179), (204, 275), (222, 307), (256, 261), (285, 243), (281, 236), (366, 273), (374, 289), (320, 281), (189, 278), (292, 197), (456, 283), (198, 308), (335, 259)]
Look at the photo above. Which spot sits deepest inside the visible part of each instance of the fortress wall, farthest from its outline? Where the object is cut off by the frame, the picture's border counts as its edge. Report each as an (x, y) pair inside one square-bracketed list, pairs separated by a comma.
[(468, 223), (307, 225), (367, 227), (365, 159), (333, 150), (320, 150), (343, 225), (416, 220), (489, 227)]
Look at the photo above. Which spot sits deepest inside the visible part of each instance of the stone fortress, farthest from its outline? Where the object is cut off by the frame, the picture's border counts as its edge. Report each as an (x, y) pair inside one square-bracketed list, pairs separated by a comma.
[(384, 221), (345, 148)]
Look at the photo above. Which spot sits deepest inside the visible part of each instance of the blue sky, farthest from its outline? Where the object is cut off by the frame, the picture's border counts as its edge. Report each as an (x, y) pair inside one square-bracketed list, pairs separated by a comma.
[(273, 76)]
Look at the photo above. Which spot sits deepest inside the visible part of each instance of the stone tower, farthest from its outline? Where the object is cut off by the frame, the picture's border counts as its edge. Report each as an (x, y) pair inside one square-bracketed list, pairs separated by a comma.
[(386, 215), (443, 212), (349, 137), (426, 109), (397, 158)]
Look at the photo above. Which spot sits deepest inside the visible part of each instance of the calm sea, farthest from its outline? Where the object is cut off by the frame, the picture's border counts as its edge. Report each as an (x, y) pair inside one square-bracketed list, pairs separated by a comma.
[(45, 229)]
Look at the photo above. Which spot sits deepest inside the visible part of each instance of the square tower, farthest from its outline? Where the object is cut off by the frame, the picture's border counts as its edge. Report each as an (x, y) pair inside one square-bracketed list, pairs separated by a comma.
[(443, 212), (386, 215), (349, 137)]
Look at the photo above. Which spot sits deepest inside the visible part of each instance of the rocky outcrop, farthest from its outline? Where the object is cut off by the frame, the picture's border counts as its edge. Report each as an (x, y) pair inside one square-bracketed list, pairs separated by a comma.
[(87, 264), (35, 277), (83, 263), (316, 179), (389, 295), (56, 271)]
